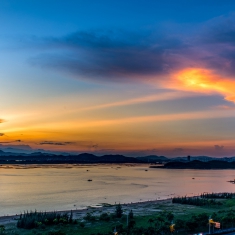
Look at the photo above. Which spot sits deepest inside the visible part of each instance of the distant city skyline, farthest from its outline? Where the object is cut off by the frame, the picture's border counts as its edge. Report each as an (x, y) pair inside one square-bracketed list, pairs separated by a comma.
[(127, 77)]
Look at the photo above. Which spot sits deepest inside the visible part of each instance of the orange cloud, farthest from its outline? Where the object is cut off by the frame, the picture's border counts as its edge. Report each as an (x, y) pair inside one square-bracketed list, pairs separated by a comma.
[(204, 81)]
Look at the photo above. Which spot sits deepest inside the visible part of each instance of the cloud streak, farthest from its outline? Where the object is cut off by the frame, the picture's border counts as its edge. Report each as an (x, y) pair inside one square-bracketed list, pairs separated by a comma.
[(54, 143), (8, 142), (218, 147), (209, 114), (145, 99)]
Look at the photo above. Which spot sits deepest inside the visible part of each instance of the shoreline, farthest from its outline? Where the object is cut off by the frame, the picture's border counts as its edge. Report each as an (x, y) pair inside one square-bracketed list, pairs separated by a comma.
[(80, 213)]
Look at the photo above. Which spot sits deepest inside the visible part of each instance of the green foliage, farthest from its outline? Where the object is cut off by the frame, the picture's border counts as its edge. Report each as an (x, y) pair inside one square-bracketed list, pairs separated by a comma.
[(71, 217), (89, 217), (180, 224), (131, 221), (30, 220), (163, 222), (218, 195), (2, 229), (196, 201), (56, 233), (131, 215), (119, 228), (104, 217), (187, 219), (118, 211), (82, 225), (229, 203)]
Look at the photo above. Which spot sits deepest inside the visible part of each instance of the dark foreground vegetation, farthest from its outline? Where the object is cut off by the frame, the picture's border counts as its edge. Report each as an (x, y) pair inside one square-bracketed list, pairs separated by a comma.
[(218, 195), (196, 201), (188, 218), (205, 199), (36, 219)]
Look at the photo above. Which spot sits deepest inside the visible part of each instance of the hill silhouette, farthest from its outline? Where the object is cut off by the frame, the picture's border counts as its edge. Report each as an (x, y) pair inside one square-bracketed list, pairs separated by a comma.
[(214, 164), (48, 158)]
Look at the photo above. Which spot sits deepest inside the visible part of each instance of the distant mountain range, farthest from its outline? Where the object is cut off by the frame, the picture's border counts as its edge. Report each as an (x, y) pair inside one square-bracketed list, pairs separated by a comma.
[(153, 159), (52, 158), (49, 158)]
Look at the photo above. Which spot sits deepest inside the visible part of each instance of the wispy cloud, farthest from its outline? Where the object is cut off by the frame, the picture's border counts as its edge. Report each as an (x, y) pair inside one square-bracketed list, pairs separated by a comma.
[(218, 147), (208, 114), (179, 150), (224, 107), (144, 99), (54, 143), (11, 141)]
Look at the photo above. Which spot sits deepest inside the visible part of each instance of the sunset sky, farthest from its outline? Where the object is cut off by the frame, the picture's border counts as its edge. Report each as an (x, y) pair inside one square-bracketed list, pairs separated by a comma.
[(128, 77)]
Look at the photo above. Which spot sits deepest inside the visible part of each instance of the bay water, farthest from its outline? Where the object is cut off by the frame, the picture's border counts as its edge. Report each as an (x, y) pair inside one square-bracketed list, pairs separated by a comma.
[(69, 187)]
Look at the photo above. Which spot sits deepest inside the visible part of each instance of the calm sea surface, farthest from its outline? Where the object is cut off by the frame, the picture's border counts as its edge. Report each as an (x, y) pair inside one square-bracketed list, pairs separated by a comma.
[(61, 188)]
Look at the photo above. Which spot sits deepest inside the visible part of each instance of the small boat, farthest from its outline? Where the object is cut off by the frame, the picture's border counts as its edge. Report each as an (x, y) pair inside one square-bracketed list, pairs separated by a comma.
[(231, 181), (89, 180)]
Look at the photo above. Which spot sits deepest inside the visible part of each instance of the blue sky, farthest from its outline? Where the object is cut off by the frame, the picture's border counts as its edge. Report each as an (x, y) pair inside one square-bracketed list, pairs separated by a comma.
[(131, 77)]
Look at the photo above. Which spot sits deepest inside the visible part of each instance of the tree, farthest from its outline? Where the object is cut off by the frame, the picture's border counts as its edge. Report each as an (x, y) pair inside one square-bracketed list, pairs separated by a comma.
[(119, 211), (2, 229), (71, 217), (131, 215), (131, 224), (131, 221), (104, 217), (150, 221), (160, 219), (169, 216)]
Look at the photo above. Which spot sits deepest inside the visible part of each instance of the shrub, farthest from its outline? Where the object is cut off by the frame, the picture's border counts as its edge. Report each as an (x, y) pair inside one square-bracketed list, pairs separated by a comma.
[(82, 224), (35, 219), (89, 217), (2, 229), (104, 217), (56, 233)]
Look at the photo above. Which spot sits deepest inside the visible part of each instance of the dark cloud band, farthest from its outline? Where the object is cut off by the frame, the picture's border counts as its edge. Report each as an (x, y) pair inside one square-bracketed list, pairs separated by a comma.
[(54, 143), (123, 56)]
